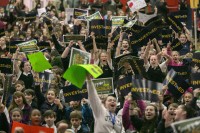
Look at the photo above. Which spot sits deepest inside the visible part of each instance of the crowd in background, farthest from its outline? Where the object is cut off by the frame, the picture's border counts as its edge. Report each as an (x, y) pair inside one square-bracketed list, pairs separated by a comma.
[(26, 103)]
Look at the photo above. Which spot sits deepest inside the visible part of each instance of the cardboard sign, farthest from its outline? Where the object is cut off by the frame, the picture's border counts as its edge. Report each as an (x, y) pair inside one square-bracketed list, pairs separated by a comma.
[(118, 20), (79, 57), (13, 45), (81, 72), (182, 71), (176, 85), (96, 15), (175, 23), (46, 78), (31, 129), (195, 80), (135, 5), (167, 35), (6, 65), (195, 70), (128, 59), (149, 32), (146, 90), (187, 126), (28, 46), (36, 59), (130, 23), (72, 93), (176, 45), (101, 28), (104, 85), (68, 38), (180, 15), (124, 85), (80, 13)]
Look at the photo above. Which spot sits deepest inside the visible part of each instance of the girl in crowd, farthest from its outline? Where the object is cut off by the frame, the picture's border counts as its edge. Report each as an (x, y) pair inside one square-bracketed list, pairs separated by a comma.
[(123, 46), (187, 98), (53, 103), (104, 114), (125, 114), (150, 121), (167, 119), (16, 115), (19, 101), (175, 59), (103, 58), (31, 98), (185, 43), (154, 70), (24, 71), (35, 117)]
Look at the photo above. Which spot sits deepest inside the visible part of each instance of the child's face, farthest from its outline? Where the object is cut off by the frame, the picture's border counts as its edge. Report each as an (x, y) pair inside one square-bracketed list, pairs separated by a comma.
[(18, 100), (76, 122), (16, 116), (49, 120), (150, 112), (19, 87), (28, 97), (188, 97), (51, 96), (35, 117), (171, 111)]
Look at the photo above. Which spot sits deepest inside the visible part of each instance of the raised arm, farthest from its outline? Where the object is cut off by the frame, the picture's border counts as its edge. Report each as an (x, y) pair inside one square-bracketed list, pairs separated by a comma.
[(110, 46), (67, 49), (95, 50), (118, 49), (94, 100), (146, 52)]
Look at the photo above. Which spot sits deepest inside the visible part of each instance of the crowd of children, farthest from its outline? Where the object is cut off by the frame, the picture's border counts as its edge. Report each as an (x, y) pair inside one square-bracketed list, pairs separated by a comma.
[(26, 101)]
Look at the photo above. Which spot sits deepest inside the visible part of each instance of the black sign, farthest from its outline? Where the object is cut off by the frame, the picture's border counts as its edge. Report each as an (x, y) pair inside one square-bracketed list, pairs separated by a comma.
[(167, 35), (124, 85), (101, 28), (146, 90), (175, 23), (5, 65), (72, 93)]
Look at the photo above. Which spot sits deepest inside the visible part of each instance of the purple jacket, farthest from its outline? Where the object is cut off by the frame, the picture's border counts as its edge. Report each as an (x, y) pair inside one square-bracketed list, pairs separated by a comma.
[(125, 114)]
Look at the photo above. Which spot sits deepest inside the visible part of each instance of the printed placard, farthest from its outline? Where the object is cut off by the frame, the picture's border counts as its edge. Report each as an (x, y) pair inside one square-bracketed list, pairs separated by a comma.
[(135, 5), (96, 15), (191, 125), (46, 78), (175, 23), (5, 65), (146, 90), (68, 38), (104, 85), (118, 20), (72, 93), (80, 13), (79, 57), (28, 46), (13, 45), (124, 85)]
